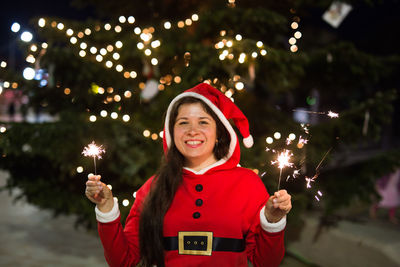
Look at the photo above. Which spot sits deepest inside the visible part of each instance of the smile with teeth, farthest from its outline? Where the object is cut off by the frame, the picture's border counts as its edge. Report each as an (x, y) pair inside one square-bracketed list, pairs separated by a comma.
[(193, 142)]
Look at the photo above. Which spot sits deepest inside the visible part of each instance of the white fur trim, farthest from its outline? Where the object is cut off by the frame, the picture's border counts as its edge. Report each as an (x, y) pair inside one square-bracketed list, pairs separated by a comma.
[(248, 141), (216, 110), (110, 216), (203, 171), (271, 227)]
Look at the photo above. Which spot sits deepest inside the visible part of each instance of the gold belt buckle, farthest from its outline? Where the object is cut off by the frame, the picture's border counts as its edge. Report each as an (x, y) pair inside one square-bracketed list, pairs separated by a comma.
[(195, 243)]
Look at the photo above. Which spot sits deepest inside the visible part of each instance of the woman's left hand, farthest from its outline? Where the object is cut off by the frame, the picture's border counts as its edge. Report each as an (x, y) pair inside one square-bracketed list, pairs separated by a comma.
[(277, 206)]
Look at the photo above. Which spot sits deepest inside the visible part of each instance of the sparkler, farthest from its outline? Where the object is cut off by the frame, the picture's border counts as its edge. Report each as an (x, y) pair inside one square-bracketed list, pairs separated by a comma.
[(92, 150), (330, 113), (283, 161)]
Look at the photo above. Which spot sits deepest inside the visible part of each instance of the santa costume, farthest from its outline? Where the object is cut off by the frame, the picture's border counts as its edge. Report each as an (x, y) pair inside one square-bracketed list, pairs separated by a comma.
[(217, 215)]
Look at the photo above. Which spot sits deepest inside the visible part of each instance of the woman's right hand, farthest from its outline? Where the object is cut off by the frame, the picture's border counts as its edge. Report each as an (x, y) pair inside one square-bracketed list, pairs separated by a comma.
[(99, 193)]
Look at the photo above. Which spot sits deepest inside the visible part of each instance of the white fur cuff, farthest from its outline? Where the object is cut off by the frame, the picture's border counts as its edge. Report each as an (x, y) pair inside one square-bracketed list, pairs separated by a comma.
[(271, 227), (108, 216)]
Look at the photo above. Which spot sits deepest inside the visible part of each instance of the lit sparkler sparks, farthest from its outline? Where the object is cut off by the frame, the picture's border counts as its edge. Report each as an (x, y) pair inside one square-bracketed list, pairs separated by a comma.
[(302, 141), (93, 150), (333, 114), (309, 180), (320, 194), (283, 161), (330, 114), (305, 128)]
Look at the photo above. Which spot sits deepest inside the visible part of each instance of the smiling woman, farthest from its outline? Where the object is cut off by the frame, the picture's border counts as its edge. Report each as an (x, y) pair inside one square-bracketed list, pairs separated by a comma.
[(201, 208)]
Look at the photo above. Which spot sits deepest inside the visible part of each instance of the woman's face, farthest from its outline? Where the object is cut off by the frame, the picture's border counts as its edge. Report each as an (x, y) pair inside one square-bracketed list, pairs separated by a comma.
[(195, 134)]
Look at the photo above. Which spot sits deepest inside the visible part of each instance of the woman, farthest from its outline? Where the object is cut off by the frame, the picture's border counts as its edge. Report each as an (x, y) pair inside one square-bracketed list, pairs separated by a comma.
[(201, 208)]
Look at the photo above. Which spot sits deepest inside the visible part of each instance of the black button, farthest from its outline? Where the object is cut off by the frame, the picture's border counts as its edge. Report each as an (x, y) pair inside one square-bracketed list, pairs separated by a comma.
[(199, 202), (199, 188), (196, 215)]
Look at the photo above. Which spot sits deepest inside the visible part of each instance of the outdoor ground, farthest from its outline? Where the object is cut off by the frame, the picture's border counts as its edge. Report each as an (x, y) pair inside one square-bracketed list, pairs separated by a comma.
[(32, 237)]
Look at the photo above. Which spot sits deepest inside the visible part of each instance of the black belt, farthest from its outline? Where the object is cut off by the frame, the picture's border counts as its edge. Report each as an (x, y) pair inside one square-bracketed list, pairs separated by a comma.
[(202, 243)]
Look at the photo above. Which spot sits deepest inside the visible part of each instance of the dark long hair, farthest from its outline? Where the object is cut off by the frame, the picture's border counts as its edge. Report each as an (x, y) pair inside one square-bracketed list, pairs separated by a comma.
[(164, 186)]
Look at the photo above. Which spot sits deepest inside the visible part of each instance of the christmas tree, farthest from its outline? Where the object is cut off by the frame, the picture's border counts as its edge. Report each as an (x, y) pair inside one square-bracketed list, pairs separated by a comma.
[(109, 79)]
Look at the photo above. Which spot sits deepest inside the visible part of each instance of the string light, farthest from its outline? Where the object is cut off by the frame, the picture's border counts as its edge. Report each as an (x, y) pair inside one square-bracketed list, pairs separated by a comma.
[(110, 48), (30, 59), (26, 36), (188, 22), (167, 25), (117, 29), (99, 58), (155, 44), (297, 35), (146, 133), (154, 61), (107, 27), (140, 45), (127, 94), (277, 135), (154, 136), (109, 64), (60, 26), (93, 50), (118, 44), (42, 22), (126, 118), (195, 17), (181, 24), (133, 74), (242, 58), (122, 19), (15, 27), (239, 86), (131, 19), (116, 56), (69, 32), (103, 113), (114, 115)]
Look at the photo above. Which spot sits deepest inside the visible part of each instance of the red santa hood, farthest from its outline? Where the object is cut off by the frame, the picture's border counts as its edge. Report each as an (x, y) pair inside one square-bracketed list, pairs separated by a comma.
[(225, 109)]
